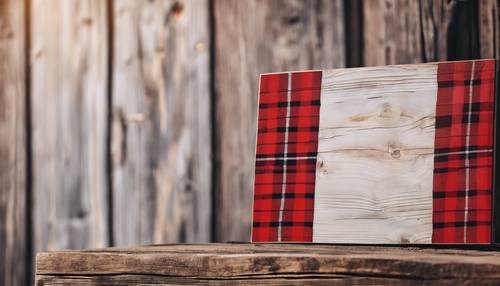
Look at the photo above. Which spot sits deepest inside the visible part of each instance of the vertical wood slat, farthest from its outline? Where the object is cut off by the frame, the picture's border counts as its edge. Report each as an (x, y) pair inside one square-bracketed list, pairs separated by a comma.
[(161, 148), (69, 103), (13, 243), (64, 86), (274, 36), (463, 31), (401, 32), (489, 33), (404, 32)]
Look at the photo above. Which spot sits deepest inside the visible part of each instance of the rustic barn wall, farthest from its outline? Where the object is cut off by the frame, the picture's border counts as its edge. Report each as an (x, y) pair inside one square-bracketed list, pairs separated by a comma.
[(13, 172), (141, 119), (401, 32)]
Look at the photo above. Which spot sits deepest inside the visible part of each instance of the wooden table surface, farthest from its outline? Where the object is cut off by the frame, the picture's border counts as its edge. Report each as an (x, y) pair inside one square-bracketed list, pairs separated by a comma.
[(270, 264)]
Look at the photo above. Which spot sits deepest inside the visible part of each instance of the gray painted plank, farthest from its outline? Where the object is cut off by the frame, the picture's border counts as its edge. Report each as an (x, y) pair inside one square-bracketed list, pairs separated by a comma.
[(489, 34), (161, 151), (69, 112), (13, 243)]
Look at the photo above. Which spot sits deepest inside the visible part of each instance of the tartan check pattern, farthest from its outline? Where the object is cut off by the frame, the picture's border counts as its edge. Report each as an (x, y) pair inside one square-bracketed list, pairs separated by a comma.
[(463, 155), (285, 168)]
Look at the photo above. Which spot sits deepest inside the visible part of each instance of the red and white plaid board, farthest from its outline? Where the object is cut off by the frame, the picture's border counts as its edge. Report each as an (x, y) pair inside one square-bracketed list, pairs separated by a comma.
[(395, 154)]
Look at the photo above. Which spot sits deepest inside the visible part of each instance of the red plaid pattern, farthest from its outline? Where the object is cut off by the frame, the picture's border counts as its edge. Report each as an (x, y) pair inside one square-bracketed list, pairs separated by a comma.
[(462, 184), (285, 168)]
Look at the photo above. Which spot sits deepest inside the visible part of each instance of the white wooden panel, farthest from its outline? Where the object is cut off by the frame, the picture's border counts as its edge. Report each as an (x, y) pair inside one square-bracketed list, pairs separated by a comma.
[(375, 155)]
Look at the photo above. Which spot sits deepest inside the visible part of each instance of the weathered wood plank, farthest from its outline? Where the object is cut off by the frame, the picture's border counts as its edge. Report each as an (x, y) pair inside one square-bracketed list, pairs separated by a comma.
[(489, 33), (69, 111), (223, 264), (281, 280), (392, 32), (276, 36), (403, 32), (435, 18), (161, 151), (374, 178), (13, 99), (284, 280)]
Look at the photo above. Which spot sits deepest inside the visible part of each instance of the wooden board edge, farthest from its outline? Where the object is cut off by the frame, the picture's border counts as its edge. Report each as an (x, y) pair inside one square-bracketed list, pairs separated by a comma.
[(252, 196), (404, 264), (378, 66), (495, 233), (275, 280)]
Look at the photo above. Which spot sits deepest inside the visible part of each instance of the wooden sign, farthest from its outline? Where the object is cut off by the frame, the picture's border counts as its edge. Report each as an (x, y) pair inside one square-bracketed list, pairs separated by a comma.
[(391, 154)]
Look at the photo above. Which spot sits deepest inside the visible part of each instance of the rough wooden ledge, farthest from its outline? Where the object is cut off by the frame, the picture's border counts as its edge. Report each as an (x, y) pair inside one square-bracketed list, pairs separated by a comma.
[(269, 264)]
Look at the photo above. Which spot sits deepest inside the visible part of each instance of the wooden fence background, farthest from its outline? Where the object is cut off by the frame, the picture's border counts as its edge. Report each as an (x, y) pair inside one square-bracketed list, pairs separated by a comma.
[(133, 122)]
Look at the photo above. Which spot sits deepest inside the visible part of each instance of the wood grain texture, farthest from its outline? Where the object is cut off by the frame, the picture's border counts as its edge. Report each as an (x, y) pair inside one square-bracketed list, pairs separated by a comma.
[(275, 36), (489, 33), (161, 122), (69, 111), (269, 264), (375, 155), (13, 169), (403, 32), (283, 280)]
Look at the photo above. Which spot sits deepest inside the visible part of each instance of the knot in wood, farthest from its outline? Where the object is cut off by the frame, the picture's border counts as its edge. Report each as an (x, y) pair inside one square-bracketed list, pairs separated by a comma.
[(321, 166), (394, 151), (386, 111)]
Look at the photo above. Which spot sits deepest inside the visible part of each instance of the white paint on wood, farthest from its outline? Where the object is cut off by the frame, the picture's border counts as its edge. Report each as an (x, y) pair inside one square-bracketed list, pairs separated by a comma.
[(267, 264), (375, 155), (489, 33), (404, 32)]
